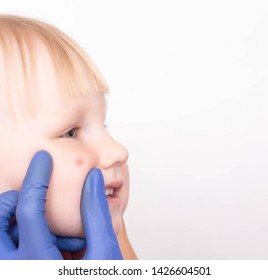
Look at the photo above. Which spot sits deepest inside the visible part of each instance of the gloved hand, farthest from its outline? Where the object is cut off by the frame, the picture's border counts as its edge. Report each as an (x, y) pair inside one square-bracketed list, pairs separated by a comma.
[(101, 240), (32, 238)]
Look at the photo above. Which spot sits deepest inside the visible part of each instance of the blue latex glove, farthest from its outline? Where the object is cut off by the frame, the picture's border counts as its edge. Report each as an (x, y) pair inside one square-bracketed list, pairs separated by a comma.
[(35, 239), (101, 240)]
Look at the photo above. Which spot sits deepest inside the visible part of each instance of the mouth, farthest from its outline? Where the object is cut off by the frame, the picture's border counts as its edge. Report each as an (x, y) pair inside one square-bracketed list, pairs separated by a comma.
[(112, 192)]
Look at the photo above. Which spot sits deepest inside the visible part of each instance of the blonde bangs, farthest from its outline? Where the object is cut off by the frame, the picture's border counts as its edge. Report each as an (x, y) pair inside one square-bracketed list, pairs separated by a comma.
[(77, 75)]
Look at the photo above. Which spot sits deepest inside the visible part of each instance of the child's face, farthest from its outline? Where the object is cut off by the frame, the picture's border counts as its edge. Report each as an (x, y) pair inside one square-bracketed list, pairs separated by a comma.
[(73, 132)]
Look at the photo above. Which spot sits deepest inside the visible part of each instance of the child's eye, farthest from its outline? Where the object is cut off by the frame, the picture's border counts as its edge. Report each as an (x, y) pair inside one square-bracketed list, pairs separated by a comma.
[(72, 133)]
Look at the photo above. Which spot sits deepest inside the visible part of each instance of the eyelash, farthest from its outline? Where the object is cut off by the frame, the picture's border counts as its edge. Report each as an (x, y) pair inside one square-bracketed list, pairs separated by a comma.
[(74, 129)]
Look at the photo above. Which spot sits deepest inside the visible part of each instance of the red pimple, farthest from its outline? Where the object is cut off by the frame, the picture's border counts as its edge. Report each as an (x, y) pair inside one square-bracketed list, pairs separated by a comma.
[(79, 162)]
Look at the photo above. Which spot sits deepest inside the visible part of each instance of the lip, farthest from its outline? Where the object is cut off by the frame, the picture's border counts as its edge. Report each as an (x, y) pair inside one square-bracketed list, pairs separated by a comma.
[(116, 186)]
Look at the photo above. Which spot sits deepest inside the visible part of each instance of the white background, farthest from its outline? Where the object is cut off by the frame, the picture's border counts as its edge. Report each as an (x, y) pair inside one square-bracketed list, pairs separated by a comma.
[(188, 98)]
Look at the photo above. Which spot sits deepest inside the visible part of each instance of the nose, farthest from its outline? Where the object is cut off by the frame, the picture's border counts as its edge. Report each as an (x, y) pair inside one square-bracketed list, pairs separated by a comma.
[(111, 153)]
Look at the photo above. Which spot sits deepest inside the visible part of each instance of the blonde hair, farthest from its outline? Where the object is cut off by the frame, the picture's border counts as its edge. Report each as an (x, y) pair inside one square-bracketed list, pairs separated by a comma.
[(76, 73)]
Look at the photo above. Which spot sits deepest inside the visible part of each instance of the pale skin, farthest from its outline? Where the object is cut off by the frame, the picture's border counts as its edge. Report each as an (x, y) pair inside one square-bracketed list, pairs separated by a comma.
[(73, 132)]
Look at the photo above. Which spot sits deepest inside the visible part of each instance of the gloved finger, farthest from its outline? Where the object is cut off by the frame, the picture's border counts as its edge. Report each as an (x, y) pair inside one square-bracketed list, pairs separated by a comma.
[(8, 203), (71, 244), (30, 214), (14, 233), (101, 239)]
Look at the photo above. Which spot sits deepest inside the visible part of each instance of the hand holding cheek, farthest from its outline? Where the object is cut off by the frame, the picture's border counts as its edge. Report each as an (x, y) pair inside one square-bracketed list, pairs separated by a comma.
[(31, 238)]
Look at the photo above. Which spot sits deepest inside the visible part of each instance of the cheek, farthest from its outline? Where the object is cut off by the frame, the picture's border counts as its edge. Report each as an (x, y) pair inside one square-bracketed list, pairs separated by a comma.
[(79, 162), (64, 194), (16, 155)]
